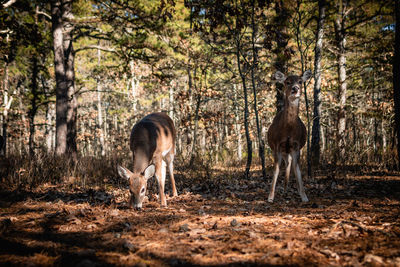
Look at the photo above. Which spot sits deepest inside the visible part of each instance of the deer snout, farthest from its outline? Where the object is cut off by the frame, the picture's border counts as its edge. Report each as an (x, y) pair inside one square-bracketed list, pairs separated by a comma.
[(137, 206), (295, 89), (135, 203)]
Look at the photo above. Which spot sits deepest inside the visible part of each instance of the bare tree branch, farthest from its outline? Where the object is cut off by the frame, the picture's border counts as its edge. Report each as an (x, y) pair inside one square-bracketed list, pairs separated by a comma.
[(102, 48), (9, 3), (43, 13)]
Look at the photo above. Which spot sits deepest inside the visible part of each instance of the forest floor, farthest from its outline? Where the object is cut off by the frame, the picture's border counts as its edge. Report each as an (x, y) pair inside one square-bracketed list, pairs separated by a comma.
[(350, 220)]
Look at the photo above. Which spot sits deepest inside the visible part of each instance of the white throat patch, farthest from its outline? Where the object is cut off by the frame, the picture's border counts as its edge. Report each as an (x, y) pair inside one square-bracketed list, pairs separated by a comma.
[(295, 102)]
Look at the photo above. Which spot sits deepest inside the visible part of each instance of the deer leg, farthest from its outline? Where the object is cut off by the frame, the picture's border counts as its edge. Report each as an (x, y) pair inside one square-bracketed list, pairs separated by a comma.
[(287, 173), (160, 175), (170, 162), (296, 170), (278, 159)]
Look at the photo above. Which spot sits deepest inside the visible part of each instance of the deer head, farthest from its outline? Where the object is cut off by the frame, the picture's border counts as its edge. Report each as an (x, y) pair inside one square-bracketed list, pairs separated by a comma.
[(292, 85), (137, 183)]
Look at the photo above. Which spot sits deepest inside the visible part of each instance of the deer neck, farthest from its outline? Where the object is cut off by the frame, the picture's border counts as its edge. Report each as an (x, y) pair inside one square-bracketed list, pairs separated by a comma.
[(141, 160), (291, 111)]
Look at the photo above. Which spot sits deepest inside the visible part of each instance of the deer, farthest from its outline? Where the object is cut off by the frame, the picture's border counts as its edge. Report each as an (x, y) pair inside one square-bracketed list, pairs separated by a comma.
[(152, 142), (287, 134)]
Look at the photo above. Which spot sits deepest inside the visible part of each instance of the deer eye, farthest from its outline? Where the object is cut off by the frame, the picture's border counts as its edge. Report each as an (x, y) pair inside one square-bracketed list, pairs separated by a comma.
[(142, 191)]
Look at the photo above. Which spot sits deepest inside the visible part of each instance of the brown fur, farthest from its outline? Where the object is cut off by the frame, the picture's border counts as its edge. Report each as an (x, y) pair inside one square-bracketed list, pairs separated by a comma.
[(284, 135), (287, 129), (287, 134), (152, 142), (151, 136)]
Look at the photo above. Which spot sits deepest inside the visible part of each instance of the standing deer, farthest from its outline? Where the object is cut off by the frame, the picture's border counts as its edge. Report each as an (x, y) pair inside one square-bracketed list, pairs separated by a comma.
[(152, 143), (287, 133)]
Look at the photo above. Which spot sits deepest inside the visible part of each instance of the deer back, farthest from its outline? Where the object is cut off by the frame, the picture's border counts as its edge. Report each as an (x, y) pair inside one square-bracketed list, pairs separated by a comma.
[(152, 136)]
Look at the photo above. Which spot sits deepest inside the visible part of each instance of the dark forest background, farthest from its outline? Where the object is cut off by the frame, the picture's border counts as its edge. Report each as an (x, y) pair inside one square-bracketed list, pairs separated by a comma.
[(76, 76)]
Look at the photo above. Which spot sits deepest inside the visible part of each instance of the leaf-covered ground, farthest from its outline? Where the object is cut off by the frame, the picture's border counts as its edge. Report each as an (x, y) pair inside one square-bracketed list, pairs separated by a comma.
[(352, 220)]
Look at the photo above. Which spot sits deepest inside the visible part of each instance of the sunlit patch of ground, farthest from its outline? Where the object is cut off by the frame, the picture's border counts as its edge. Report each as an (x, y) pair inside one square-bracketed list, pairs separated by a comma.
[(349, 221)]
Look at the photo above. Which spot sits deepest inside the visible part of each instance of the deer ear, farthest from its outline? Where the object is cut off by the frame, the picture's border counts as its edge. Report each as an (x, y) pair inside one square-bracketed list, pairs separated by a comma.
[(306, 75), (124, 173), (279, 77), (149, 171)]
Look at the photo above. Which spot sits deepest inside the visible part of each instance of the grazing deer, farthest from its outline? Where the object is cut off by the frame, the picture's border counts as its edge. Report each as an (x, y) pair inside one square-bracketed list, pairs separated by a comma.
[(287, 133), (152, 143)]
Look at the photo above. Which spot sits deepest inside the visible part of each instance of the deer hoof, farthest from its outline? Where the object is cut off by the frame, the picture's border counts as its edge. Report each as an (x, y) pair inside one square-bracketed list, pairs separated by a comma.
[(270, 200), (304, 199)]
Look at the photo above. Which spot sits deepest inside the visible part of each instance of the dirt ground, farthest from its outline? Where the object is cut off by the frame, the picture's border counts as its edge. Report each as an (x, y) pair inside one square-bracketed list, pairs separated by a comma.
[(350, 221)]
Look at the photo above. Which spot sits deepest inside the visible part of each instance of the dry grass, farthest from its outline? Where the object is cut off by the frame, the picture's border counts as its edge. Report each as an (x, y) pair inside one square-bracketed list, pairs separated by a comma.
[(58, 212), (22, 171)]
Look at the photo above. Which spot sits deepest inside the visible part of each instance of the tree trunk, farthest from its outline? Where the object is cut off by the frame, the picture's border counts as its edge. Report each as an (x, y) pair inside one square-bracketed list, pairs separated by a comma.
[(396, 79), (203, 142), (49, 131), (22, 135), (70, 77), (61, 83), (171, 101), (246, 111), (316, 128), (99, 110), (254, 65), (189, 129), (384, 141), (134, 83), (7, 101), (237, 124), (66, 104), (196, 118), (194, 135), (341, 44), (281, 21), (33, 109)]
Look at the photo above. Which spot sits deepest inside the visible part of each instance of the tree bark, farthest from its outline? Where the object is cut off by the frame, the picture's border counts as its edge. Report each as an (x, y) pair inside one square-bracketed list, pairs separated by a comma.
[(49, 131), (194, 135), (7, 101), (171, 102), (281, 21), (22, 139), (341, 44), (70, 77), (196, 121), (99, 111), (396, 79), (316, 128), (61, 83), (254, 65), (246, 112), (3, 149), (134, 83), (33, 109), (237, 124), (64, 56)]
